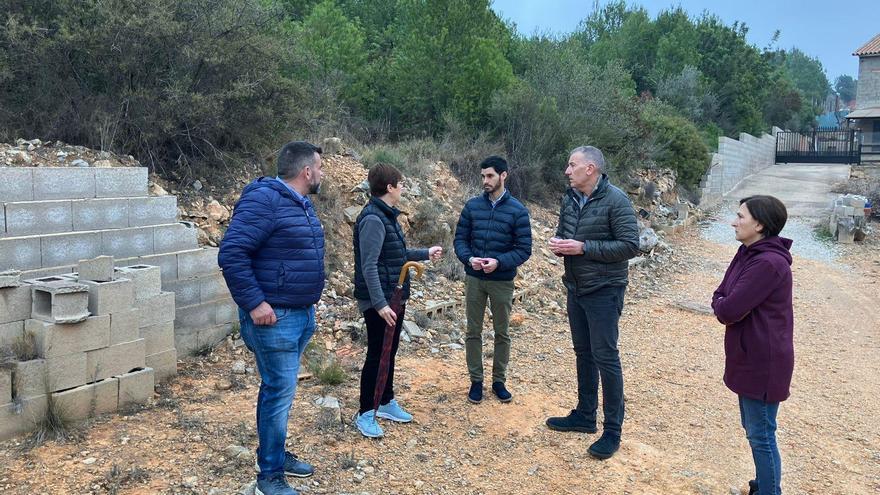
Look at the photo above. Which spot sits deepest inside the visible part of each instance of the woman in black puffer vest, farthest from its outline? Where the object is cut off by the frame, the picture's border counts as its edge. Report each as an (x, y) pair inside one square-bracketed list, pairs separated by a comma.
[(379, 255)]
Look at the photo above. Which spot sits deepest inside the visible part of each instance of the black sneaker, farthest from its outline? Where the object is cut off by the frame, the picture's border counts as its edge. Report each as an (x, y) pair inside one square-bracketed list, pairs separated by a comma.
[(501, 392), (605, 446), (292, 466), (475, 396), (575, 421), (274, 485)]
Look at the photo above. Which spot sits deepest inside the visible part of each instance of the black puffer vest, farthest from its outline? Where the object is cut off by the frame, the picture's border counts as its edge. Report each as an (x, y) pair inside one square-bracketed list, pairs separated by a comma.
[(391, 258)]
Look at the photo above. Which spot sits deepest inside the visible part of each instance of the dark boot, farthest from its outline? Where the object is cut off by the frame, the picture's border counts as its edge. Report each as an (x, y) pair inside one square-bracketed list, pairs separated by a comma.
[(605, 446), (501, 392), (475, 396), (575, 421)]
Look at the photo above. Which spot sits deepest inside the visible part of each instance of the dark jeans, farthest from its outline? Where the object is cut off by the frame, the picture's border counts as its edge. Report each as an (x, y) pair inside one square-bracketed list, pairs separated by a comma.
[(759, 420), (277, 349), (370, 371), (593, 320)]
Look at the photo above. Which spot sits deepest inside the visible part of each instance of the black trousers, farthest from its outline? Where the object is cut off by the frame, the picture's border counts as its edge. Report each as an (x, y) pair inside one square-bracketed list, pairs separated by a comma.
[(370, 371)]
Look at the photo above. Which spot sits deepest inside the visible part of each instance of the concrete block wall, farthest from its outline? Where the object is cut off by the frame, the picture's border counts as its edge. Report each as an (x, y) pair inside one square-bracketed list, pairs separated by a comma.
[(90, 367), (51, 218), (734, 161)]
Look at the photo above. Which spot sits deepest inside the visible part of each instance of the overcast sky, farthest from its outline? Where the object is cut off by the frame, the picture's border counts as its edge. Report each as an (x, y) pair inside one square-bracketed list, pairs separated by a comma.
[(821, 29)]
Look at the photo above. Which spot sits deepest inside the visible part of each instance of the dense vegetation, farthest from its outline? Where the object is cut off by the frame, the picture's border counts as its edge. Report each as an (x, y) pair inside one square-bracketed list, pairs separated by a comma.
[(181, 83)]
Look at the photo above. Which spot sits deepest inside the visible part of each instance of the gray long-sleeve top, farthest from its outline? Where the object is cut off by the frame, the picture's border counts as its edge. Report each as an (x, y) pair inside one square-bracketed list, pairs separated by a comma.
[(371, 238)]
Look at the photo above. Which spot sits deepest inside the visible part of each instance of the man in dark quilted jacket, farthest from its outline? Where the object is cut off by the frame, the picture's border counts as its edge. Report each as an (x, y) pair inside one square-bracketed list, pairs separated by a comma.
[(493, 237), (272, 258), (597, 235)]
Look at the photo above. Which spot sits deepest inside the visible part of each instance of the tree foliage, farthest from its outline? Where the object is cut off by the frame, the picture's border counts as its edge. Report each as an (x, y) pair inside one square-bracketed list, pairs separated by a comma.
[(177, 82)]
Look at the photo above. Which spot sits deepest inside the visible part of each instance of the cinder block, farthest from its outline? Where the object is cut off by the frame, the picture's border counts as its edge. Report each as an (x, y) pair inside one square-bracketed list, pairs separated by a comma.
[(121, 182), (109, 297), (194, 317), (157, 309), (63, 183), (100, 214), (60, 301), (147, 280), (38, 217), (126, 243), (10, 278), (40, 376), (152, 210), (30, 379), (167, 263), (225, 311), (48, 272), (197, 263), (176, 237), (164, 364), (9, 333), (213, 287), (115, 360), (20, 253), (88, 400), (16, 184), (98, 269), (5, 386), (68, 249), (136, 387), (186, 292), (15, 303), (59, 340), (158, 338), (124, 326), (21, 417)]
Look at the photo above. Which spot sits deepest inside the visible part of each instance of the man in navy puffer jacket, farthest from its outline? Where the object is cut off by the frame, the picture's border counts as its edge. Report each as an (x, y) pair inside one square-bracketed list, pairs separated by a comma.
[(493, 237), (273, 261)]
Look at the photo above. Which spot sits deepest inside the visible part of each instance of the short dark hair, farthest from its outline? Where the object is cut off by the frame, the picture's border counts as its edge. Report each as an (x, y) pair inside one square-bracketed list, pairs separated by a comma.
[(768, 211), (294, 157), (496, 162), (381, 176)]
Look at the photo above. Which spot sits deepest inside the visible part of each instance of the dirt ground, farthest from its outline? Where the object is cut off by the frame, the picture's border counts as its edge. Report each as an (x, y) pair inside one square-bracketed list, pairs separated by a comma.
[(681, 433)]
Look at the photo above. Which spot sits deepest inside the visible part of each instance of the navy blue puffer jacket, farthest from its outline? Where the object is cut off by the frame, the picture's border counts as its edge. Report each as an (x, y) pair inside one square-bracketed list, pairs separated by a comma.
[(273, 250), (503, 233)]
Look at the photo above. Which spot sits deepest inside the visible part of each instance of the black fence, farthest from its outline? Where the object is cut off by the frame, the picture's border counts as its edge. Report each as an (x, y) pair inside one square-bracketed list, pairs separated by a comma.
[(820, 146)]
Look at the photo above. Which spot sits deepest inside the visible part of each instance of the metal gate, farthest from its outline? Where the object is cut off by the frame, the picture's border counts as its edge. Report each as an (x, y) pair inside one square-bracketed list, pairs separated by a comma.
[(819, 146)]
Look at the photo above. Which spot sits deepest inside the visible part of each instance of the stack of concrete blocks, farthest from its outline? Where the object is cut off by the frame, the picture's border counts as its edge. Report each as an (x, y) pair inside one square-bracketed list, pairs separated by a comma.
[(53, 217), (848, 220), (83, 353), (734, 161)]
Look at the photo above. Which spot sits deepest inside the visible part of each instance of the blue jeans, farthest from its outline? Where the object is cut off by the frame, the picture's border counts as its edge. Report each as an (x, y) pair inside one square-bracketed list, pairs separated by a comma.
[(593, 319), (759, 420), (277, 349)]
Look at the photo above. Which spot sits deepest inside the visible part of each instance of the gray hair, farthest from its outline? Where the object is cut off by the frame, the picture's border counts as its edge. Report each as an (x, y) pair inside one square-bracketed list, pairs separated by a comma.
[(592, 154)]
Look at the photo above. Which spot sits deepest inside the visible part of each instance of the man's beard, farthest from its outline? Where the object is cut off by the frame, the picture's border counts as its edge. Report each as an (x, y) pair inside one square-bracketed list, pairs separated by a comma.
[(492, 189), (315, 188)]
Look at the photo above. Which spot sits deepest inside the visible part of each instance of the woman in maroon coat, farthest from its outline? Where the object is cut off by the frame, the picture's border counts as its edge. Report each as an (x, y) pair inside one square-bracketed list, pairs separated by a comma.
[(754, 303)]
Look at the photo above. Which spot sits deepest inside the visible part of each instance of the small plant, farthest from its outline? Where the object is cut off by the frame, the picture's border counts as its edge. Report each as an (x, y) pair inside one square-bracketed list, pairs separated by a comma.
[(54, 425), (116, 478), (822, 230), (347, 460), (23, 348), (331, 374)]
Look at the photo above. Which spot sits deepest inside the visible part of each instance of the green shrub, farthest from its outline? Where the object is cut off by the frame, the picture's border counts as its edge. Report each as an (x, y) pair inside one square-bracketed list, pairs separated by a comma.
[(677, 144)]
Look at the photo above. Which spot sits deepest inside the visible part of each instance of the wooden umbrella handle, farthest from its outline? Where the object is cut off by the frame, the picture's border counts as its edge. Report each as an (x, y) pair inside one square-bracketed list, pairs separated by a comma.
[(410, 264)]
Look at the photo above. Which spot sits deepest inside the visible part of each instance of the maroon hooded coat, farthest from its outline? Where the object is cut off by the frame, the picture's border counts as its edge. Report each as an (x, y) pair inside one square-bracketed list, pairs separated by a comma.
[(754, 303)]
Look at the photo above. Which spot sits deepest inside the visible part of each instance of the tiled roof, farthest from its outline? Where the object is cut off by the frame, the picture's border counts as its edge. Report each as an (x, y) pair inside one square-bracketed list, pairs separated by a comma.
[(870, 48)]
